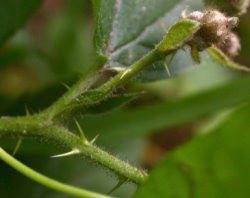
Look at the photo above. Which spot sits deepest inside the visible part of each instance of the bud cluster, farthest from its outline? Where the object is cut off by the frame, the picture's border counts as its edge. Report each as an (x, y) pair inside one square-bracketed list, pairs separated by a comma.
[(216, 29)]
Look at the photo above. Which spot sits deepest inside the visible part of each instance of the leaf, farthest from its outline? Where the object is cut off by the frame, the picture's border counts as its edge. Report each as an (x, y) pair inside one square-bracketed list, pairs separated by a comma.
[(221, 58), (178, 34), (14, 14), (126, 30), (212, 165), (103, 11), (138, 122)]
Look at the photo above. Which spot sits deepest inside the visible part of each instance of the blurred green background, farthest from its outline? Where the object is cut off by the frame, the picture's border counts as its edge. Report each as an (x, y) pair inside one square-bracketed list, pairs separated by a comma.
[(55, 47)]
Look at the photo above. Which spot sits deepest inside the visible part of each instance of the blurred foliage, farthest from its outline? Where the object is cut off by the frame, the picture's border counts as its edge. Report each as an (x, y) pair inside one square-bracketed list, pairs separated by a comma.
[(56, 47), (11, 22), (211, 165)]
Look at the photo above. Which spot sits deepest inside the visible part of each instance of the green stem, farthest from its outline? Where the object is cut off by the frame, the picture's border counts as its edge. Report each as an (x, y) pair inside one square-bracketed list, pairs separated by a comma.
[(74, 101), (59, 136), (69, 98), (116, 165), (132, 71), (63, 109), (46, 181), (78, 100)]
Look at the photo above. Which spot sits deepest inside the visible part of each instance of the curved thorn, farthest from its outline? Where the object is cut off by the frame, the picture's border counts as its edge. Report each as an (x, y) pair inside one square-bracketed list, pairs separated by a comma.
[(119, 183), (81, 133), (18, 144), (65, 85), (94, 139), (172, 58), (124, 73), (116, 69), (166, 67), (73, 152)]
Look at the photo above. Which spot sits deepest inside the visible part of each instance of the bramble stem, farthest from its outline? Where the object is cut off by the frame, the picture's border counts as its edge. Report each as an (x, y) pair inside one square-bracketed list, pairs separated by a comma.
[(131, 71), (59, 136), (49, 125), (116, 165), (77, 99)]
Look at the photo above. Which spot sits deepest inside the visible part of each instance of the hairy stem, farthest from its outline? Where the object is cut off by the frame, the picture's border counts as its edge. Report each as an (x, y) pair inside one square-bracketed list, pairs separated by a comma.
[(59, 136), (116, 165), (49, 125), (71, 95), (78, 100)]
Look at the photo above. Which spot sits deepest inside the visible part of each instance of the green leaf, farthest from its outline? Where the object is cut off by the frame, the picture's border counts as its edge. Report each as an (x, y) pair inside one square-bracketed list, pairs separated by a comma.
[(178, 34), (103, 11), (212, 165), (138, 122), (14, 14), (126, 30), (221, 58)]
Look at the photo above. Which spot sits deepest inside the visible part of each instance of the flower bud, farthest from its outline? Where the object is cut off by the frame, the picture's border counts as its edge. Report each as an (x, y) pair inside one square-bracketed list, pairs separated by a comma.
[(196, 16), (231, 46), (215, 28)]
